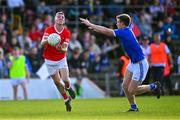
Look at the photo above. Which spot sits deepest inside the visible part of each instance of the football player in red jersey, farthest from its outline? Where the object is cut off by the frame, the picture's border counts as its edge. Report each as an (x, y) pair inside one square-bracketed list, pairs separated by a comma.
[(55, 58)]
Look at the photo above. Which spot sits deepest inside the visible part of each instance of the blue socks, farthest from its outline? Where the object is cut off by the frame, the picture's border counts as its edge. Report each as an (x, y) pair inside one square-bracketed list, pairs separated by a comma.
[(152, 86), (134, 106)]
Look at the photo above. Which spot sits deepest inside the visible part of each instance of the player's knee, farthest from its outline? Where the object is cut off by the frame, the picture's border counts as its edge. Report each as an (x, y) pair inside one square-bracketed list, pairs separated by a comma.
[(66, 79), (131, 91)]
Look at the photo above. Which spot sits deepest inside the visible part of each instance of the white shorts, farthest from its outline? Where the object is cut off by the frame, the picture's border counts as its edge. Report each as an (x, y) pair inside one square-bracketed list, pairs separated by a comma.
[(54, 66), (139, 70), (17, 81)]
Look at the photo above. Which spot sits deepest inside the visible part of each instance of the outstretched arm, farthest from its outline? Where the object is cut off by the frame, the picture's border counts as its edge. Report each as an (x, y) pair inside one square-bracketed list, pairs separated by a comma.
[(97, 28)]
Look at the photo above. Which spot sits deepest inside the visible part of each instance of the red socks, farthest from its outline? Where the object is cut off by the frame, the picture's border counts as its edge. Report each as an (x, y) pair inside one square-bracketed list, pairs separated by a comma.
[(64, 95), (67, 85)]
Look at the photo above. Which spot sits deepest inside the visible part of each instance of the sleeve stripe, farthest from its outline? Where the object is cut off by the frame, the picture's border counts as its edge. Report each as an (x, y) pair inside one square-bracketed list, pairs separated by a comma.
[(114, 33)]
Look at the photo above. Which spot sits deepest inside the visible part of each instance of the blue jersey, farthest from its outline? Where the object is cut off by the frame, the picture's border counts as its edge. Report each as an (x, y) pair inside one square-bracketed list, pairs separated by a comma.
[(130, 44)]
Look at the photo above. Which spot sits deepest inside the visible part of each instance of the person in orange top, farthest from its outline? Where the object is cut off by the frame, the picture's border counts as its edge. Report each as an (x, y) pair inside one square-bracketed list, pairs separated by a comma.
[(122, 66), (157, 59)]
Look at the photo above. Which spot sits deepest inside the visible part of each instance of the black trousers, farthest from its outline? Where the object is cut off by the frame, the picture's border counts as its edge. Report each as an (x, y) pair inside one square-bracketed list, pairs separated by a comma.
[(168, 84), (158, 75)]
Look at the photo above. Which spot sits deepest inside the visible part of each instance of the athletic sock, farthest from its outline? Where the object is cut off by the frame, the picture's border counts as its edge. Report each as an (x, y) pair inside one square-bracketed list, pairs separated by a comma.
[(67, 85), (64, 96), (152, 86), (134, 106)]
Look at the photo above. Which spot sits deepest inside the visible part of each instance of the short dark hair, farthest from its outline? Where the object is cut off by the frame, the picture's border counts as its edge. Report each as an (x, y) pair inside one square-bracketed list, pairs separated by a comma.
[(125, 18), (60, 12)]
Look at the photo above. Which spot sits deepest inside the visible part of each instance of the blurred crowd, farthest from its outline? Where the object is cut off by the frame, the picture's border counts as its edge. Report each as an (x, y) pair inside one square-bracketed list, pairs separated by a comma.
[(22, 23)]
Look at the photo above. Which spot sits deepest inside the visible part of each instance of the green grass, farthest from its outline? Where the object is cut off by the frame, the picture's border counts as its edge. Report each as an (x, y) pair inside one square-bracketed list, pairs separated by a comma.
[(166, 108)]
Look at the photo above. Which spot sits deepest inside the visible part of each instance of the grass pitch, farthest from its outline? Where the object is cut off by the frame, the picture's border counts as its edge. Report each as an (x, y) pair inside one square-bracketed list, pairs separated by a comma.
[(166, 108)]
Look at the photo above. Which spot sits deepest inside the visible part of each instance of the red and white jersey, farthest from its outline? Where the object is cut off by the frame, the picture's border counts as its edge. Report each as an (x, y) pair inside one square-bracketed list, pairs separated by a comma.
[(50, 52)]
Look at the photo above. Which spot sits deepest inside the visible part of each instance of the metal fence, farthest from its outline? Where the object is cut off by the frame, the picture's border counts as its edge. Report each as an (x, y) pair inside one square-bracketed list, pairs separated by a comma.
[(107, 9)]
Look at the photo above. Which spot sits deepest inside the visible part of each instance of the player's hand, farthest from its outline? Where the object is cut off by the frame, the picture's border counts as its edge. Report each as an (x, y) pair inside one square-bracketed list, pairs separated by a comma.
[(58, 47), (86, 22), (62, 48)]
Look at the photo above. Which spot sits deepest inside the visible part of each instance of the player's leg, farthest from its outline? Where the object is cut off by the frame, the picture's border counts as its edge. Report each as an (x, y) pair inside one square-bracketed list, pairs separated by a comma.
[(142, 73), (14, 83), (64, 72), (15, 90), (126, 83), (58, 82), (23, 84), (145, 88)]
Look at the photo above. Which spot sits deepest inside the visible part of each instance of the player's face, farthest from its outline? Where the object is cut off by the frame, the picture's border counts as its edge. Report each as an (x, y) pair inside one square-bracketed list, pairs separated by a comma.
[(60, 19), (119, 24)]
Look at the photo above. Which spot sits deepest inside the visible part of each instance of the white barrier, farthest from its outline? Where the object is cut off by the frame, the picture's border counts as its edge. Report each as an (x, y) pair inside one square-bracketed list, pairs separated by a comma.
[(45, 89)]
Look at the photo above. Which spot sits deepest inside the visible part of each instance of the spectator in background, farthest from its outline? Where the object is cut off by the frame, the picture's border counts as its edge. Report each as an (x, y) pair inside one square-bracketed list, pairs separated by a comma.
[(159, 28), (145, 48), (35, 60), (25, 41), (96, 66), (157, 10), (74, 42), (19, 73), (15, 3), (145, 45), (145, 26), (170, 28), (48, 21), (75, 68), (43, 9), (178, 63), (157, 59), (86, 39), (106, 48), (6, 22), (14, 42), (75, 62), (2, 28), (3, 65), (39, 25), (96, 13), (34, 35), (95, 47), (4, 44), (85, 63)]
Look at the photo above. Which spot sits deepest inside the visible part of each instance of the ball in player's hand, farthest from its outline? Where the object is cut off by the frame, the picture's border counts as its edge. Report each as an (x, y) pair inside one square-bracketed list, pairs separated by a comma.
[(54, 39)]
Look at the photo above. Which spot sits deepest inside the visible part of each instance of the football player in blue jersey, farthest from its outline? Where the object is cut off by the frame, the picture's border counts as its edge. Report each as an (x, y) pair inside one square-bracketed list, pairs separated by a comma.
[(138, 67)]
